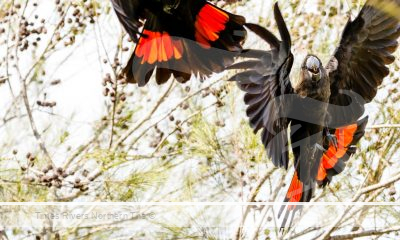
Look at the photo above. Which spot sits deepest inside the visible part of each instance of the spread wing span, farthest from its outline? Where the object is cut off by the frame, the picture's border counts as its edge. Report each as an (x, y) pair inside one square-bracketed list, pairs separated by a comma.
[(359, 63), (265, 80)]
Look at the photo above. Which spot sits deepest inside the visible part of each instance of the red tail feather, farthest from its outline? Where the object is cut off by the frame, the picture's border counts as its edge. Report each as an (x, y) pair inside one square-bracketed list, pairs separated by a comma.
[(294, 195), (295, 191), (209, 23), (158, 47)]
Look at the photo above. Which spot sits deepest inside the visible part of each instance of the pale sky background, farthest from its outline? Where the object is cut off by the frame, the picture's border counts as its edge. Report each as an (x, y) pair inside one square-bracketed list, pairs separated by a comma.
[(79, 96)]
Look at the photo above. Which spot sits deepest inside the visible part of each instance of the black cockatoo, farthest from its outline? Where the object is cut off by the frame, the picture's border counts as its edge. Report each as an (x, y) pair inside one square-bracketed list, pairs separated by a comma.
[(322, 113), (179, 38)]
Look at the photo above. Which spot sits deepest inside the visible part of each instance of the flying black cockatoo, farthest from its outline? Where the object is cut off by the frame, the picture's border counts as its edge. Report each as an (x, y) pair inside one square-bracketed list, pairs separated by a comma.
[(179, 38), (322, 112)]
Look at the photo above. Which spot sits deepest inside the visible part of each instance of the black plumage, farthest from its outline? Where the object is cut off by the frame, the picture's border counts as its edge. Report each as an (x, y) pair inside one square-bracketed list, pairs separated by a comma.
[(321, 114), (179, 38)]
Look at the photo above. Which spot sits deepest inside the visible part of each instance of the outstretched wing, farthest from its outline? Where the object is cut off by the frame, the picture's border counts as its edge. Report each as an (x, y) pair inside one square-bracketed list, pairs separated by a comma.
[(359, 63), (265, 82)]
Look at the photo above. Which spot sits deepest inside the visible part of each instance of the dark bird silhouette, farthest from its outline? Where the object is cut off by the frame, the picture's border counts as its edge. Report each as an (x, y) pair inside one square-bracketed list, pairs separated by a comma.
[(321, 114), (179, 38)]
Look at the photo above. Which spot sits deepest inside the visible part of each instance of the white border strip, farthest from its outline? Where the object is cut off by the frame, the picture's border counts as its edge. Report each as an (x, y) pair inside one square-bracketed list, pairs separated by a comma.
[(198, 204)]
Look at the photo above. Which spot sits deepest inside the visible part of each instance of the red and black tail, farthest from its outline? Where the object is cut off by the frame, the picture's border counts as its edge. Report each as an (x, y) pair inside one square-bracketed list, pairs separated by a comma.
[(200, 40), (215, 27), (334, 160), (298, 192), (157, 49), (218, 38)]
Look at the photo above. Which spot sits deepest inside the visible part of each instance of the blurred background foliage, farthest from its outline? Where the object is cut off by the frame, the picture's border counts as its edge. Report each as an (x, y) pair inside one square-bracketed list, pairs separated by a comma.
[(71, 131)]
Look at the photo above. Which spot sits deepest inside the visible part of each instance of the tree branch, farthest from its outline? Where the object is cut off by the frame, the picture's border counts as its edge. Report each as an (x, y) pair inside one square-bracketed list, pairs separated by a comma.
[(145, 118), (363, 233), (378, 126)]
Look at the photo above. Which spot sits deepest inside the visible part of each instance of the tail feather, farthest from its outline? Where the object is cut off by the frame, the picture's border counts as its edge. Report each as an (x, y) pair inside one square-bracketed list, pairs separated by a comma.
[(178, 39), (154, 50), (209, 23), (297, 192), (215, 27), (333, 161)]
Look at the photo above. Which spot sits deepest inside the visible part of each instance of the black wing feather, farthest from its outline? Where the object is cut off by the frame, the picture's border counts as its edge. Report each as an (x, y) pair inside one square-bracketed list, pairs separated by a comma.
[(265, 81), (367, 45), (129, 14)]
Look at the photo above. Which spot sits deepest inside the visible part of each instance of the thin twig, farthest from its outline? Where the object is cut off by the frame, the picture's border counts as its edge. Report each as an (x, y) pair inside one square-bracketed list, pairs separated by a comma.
[(177, 128), (8, 52), (252, 197), (145, 118), (363, 233), (173, 110), (378, 126), (85, 146), (363, 191), (27, 105)]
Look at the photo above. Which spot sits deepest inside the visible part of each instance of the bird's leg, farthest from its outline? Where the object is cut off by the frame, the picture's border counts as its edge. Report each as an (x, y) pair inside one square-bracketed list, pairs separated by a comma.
[(319, 147), (331, 138)]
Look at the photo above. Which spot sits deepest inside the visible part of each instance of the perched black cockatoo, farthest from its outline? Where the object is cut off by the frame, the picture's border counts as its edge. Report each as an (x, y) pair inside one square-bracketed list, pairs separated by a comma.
[(179, 38), (322, 113)]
